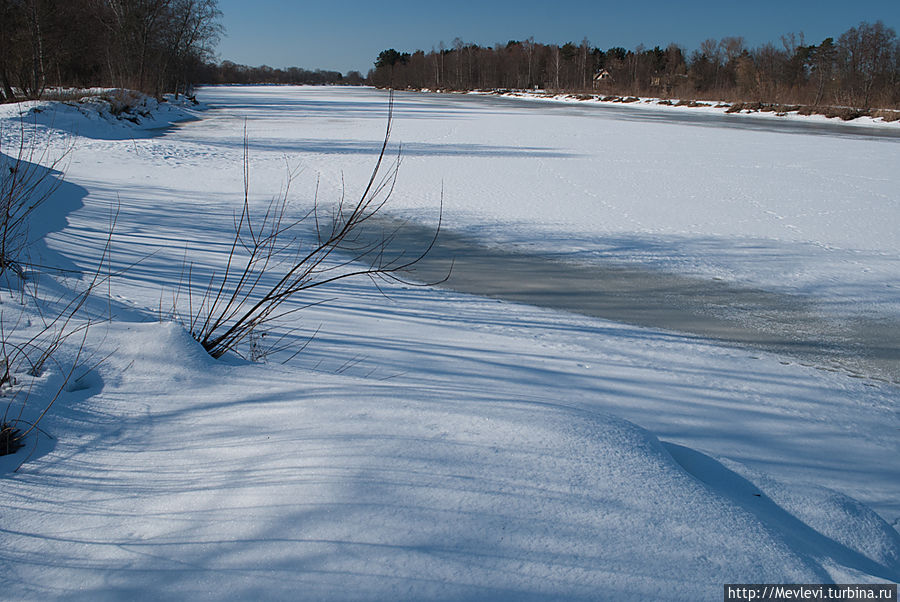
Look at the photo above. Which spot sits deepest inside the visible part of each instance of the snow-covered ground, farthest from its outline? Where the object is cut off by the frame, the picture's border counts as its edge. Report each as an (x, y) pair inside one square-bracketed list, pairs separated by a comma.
[(434, 445)]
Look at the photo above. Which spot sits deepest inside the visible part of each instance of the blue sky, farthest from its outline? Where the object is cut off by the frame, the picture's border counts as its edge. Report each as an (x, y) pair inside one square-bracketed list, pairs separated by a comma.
[(348, 34)]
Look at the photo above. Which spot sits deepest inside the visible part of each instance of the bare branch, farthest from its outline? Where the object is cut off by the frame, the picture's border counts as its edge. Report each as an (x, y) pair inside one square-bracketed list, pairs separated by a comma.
[(238, 304)]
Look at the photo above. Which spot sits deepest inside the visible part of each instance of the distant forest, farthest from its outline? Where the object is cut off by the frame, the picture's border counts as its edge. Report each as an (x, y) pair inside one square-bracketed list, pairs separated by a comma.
[(861, 69), (228, 72), (162, 46)]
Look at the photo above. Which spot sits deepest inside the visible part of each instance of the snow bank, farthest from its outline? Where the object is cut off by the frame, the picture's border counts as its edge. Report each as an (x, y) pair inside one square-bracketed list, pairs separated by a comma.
[(109, 114), (191, 478), (778, 112)]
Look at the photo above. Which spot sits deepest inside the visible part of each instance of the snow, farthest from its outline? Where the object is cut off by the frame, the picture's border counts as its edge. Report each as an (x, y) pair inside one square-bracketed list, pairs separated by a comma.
[(112, 113), (436, 445), (796, 206)]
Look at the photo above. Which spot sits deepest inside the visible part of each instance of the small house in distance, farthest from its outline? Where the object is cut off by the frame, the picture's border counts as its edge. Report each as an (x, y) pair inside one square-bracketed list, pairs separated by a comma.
[(602, 77)]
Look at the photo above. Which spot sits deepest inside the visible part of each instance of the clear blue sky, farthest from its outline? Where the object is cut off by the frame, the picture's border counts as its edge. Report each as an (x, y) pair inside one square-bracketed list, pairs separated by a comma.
[(345, 35)]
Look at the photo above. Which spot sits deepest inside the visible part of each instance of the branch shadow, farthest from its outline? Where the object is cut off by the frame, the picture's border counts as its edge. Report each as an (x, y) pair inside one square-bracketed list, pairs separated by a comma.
[(323, 146)]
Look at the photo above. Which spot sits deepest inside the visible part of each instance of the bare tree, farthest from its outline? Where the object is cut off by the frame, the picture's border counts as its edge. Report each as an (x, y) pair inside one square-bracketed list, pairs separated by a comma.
[(457, 61), (191, 35), (555, 65), (528, 46), (866, 52), (584, 50), (822, 64)]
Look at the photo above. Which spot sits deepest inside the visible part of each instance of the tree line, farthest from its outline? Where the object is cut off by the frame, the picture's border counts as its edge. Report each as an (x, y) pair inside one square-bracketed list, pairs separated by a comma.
[(861, 68), (228, 72), (159, 46), (155, 46)]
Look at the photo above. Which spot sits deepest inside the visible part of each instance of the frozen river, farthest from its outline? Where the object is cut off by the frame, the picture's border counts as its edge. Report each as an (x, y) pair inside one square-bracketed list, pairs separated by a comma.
[(781, 234)]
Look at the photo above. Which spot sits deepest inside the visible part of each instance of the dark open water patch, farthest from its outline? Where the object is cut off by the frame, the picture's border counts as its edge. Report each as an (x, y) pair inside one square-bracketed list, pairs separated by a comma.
[(727, 313)]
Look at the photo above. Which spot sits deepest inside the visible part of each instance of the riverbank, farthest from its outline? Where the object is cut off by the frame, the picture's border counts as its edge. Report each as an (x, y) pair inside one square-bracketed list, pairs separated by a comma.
[(855, 116)]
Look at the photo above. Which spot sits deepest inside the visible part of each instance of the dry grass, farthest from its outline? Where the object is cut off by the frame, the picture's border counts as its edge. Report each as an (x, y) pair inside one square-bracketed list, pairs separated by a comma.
[(691, 104), (843, 113), (887, 115)]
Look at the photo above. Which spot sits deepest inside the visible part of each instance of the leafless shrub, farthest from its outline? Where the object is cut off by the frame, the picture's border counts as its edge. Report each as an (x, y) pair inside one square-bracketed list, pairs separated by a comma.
[(23, 359), (238, 307), (27, 180)]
